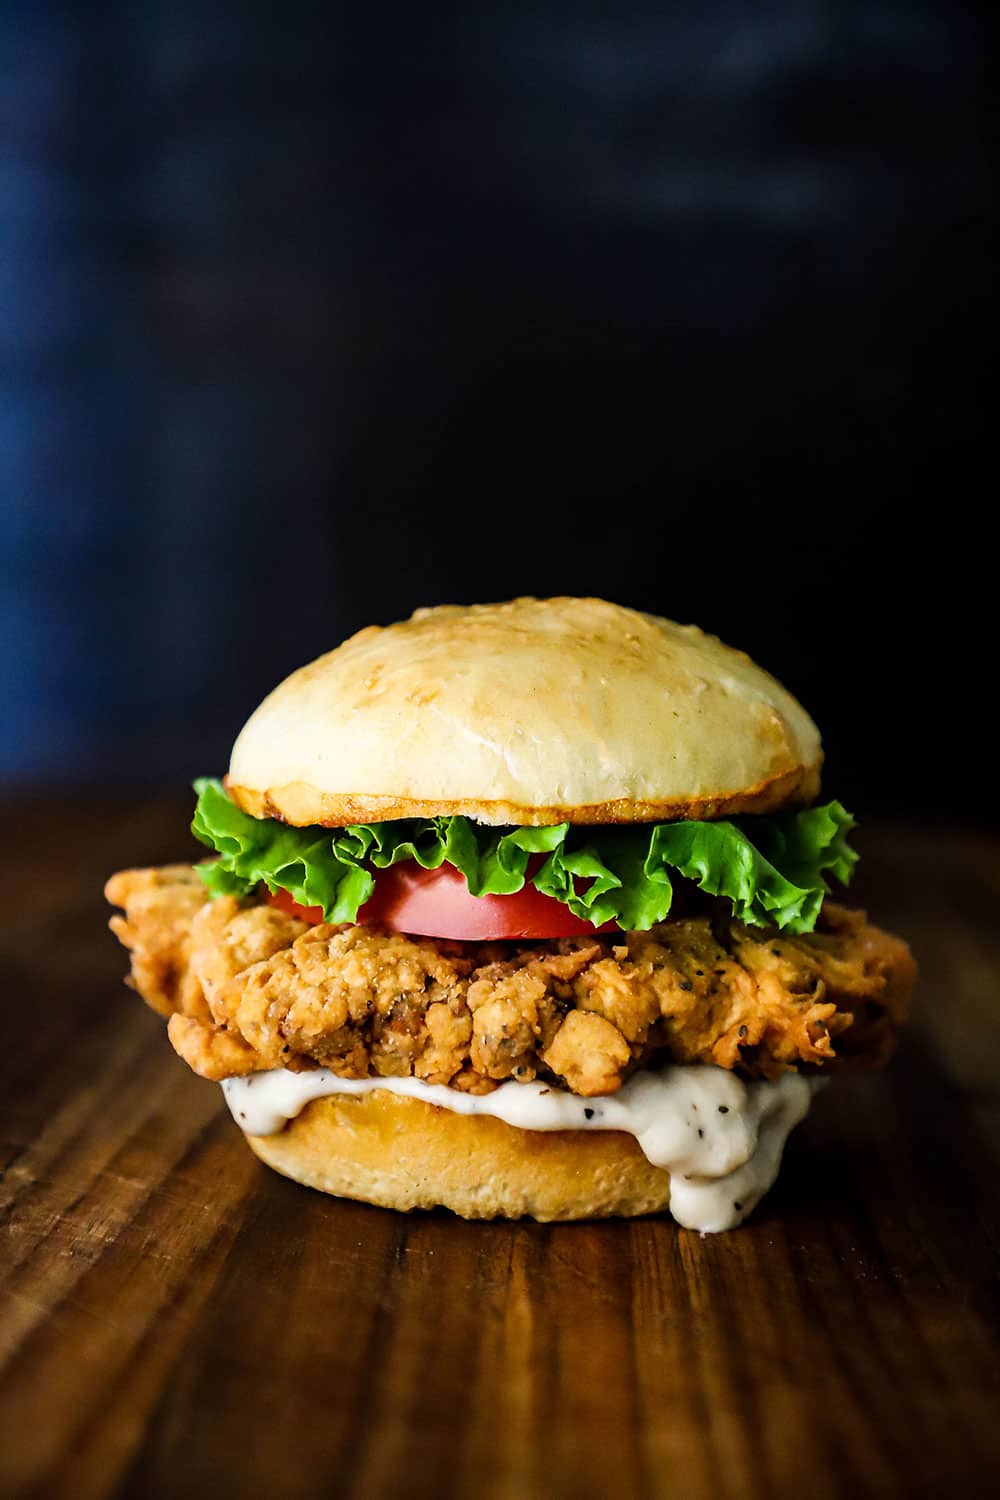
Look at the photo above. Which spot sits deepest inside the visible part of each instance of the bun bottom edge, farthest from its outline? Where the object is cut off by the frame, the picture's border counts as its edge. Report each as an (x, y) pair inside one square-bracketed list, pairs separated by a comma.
[(402, 1153)]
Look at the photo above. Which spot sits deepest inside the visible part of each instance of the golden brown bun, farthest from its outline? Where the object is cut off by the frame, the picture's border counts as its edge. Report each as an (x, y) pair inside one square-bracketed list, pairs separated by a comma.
[(403, 1153), (534, 712)]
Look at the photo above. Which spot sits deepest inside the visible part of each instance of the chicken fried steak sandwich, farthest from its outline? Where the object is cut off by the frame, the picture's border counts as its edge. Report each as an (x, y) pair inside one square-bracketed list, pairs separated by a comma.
[(520, 909)]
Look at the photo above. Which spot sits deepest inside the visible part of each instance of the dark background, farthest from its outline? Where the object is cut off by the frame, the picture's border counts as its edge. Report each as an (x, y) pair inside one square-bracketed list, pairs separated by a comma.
[(310, 315)]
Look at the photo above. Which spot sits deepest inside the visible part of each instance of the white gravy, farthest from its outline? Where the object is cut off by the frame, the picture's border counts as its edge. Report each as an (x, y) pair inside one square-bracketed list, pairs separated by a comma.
[(720, 1138)]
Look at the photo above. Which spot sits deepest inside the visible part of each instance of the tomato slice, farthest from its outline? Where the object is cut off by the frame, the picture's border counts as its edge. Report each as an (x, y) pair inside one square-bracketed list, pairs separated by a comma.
[(288, 904), (437, 903)]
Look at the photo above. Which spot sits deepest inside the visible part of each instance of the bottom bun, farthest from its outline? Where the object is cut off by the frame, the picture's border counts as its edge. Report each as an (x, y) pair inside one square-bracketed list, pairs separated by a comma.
[(402, 1153)]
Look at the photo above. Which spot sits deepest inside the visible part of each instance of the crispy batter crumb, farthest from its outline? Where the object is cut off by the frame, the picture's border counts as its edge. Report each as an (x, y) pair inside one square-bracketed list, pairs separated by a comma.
[(251, 988), (160, 907)]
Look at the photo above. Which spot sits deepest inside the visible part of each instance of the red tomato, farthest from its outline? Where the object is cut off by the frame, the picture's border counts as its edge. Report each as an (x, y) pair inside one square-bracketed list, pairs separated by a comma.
[(288, 904), (437, 903)]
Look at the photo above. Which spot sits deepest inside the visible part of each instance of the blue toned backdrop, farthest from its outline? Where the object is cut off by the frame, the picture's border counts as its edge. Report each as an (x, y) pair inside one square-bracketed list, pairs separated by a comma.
[(310, 314)]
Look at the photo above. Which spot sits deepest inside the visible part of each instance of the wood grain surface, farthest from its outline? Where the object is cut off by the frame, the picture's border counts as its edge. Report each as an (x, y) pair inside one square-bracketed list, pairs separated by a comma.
[(177, 1321)]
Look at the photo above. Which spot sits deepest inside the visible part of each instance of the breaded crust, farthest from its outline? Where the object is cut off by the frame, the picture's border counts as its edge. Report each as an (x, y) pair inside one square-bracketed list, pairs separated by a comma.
[(257, 989)]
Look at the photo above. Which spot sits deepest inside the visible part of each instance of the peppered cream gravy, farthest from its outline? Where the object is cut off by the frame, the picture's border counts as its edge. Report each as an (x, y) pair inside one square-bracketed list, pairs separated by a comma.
[(721, 1138)]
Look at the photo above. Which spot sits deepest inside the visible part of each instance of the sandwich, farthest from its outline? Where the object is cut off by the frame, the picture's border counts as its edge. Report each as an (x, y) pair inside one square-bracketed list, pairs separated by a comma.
[(521, 909)]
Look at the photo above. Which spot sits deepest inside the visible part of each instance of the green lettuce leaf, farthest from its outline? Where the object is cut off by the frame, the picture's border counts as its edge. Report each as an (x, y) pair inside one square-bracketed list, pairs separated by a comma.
[(772, 870)]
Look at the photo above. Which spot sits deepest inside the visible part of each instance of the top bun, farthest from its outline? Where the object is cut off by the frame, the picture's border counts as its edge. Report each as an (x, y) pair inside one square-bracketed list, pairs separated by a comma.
[(533, 712)]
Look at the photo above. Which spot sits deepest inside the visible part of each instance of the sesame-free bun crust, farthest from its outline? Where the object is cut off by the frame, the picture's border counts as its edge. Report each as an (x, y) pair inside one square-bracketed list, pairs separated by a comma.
[(534, 712), (403, 1153)]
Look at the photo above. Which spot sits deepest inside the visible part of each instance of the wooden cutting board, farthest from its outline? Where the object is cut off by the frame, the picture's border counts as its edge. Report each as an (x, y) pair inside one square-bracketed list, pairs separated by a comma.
[(177, 1321)]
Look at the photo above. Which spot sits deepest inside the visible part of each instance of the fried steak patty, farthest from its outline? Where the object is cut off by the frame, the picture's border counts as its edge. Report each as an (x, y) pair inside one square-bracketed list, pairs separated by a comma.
[(249, 988)]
